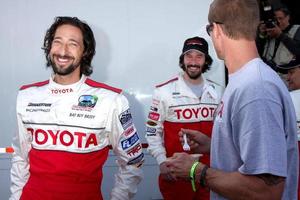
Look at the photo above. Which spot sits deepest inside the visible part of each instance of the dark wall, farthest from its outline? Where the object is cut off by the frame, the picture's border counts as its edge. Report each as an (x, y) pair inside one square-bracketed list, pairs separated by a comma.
[(293, 6)]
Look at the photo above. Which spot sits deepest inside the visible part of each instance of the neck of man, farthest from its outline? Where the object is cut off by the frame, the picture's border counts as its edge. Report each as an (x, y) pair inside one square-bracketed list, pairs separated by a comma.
[(66, 79), (238, 53), (197, 81), (69, 78)]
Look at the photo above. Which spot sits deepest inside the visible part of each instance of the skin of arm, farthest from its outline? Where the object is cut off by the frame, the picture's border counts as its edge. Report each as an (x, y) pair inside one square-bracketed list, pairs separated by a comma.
[(166, 172), (231, 185)]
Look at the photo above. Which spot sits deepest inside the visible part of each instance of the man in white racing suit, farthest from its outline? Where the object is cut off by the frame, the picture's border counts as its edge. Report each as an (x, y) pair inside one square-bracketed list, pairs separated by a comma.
[(186, 101), (67, 124)]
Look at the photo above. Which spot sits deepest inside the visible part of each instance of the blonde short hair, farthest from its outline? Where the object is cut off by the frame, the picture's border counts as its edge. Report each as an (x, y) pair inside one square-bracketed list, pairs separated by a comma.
[(239, 18)]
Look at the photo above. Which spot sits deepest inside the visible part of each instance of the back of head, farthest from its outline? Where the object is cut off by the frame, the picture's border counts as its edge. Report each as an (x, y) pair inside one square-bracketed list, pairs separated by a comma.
[(239, 18)]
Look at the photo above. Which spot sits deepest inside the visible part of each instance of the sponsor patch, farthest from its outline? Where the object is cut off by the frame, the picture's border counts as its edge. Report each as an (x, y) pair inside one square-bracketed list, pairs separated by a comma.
[(134, 150), (64, 138), (61, 91), (37, 110), (128, 131), (130, 141), (151, 134), (153, 108), (150, 129), (38, 107), (201, 112), (154, 116), (151, 123), (136, 160), (155, 102), (176, 93), (87, 101), (80, 115), (126, 119), (39, 104)]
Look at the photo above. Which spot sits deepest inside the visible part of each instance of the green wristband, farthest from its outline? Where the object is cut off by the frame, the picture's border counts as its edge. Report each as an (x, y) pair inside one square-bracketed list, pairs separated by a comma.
[(192, 175)]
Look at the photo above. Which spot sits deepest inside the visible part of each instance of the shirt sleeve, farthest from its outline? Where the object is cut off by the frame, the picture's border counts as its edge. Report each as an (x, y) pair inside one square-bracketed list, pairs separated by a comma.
[(260, 138), (128, 149), (154, 127), (20, 163)]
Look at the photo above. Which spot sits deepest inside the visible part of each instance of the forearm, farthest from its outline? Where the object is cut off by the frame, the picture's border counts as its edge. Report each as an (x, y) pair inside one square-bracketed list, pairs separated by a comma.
[(158, 152), (235, 185), (155, 141), (19, 172), (19, 176)]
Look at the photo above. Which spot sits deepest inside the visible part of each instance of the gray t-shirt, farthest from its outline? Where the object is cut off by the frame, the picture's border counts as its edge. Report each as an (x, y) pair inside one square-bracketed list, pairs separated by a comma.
[(196, 88), (254, 130)]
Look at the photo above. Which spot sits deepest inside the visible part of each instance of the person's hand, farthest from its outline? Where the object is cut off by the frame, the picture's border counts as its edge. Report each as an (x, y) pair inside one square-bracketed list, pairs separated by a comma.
[(262, 28), (199, 142), (274, 32), (180, 164), (165, 172)]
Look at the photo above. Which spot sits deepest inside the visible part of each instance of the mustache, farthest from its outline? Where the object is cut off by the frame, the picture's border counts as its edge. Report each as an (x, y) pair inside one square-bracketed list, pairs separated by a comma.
[(63, 56), (198, 66)]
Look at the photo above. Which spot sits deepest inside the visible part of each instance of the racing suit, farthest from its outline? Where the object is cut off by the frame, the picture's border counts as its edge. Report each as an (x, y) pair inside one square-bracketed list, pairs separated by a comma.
[(295, 94), (64, 133), (175, 106)]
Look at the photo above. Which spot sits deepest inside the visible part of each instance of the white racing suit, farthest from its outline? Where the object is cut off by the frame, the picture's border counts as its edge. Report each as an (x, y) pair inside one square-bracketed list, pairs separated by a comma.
[(175, 106), (295, 94), (64, 133)]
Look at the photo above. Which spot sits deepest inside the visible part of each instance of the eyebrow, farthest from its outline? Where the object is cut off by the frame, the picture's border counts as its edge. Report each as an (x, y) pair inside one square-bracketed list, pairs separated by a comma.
[(73, 40)]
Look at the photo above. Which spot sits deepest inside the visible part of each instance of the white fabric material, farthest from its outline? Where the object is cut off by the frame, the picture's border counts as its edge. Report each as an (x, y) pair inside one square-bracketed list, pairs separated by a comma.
[(64, 107), (175, 94), (296, 101)]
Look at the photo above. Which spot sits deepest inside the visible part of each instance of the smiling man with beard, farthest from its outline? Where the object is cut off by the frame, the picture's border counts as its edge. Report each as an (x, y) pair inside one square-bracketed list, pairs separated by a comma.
[(66, 125), (186, 101)]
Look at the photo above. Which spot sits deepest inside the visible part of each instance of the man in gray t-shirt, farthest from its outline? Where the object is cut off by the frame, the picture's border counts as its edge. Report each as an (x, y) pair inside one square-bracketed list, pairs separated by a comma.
[(255, 127), (254, 150)]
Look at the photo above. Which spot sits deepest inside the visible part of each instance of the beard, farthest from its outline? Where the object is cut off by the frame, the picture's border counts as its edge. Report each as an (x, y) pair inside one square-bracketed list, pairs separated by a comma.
[(66, 70), (193, 74)]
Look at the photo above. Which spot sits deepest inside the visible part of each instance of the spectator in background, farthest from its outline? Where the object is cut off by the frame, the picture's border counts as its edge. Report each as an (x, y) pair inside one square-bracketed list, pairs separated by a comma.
[(186, 101), (282, 39)]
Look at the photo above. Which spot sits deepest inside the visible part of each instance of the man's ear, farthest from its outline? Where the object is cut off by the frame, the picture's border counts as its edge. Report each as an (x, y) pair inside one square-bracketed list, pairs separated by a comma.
[(217, 30)]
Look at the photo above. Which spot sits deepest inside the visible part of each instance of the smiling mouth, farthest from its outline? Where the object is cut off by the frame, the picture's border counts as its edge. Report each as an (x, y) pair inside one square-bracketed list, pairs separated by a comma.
[(63, 59), (193, 67)]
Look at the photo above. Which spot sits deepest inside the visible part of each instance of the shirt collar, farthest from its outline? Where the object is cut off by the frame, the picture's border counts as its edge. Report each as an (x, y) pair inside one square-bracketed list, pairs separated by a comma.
[(184, 90), (58, 89)]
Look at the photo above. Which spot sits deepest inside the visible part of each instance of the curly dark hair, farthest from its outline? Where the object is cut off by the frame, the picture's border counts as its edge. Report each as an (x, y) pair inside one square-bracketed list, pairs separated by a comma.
[(88, 41), (206, 66)]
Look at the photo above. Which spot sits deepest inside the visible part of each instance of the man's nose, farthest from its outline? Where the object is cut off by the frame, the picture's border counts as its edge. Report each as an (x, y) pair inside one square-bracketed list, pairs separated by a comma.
[(193, 61), (63, 50)]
